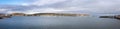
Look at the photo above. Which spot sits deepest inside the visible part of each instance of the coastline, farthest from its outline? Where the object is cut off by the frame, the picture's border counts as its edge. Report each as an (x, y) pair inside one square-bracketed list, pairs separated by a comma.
[(2, 16)]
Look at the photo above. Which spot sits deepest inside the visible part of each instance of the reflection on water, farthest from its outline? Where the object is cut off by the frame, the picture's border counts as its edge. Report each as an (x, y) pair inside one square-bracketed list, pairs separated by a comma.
[(44, 22)]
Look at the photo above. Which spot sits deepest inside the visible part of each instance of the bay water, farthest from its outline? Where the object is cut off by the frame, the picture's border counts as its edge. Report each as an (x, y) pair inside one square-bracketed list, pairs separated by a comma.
[(59, 22)]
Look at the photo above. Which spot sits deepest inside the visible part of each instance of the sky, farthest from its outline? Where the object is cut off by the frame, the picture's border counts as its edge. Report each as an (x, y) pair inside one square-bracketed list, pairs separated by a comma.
[(60, 6)]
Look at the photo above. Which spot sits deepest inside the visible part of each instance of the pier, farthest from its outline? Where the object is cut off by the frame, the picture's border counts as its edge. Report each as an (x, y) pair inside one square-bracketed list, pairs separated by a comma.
[(115, 17)]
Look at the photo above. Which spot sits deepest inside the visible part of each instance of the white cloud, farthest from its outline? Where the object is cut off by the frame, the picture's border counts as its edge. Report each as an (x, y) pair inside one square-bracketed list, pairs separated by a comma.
[(94, 6), (25, 4), (43, 10), (88, 6), (2, 10), (46, 2), (9, 12)]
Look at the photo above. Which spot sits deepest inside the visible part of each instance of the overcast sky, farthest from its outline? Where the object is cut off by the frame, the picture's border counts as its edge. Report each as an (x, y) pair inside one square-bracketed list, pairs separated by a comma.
[(60, 6)]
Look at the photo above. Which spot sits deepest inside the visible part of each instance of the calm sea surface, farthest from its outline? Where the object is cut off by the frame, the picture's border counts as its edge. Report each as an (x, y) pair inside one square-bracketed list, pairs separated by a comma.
[(60, 22)]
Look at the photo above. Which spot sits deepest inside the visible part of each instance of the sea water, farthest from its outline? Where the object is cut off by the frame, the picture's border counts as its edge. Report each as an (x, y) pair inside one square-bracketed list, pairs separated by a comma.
[(59, 22)]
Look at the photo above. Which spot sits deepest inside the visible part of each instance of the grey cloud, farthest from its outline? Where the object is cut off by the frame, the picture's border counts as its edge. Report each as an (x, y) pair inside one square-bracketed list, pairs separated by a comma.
[(80, 6), (94, 6)]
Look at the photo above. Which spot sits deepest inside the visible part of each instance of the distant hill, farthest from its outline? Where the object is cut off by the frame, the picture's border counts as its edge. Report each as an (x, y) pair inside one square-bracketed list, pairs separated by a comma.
[(47, 14)]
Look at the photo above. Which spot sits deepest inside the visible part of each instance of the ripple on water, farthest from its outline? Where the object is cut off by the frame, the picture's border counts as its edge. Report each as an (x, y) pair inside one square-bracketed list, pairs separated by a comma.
[(53, 22)]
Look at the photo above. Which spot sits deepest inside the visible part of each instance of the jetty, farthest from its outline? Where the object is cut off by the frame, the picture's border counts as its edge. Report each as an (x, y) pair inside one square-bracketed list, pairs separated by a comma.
[(106, 16), (115, 17)]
